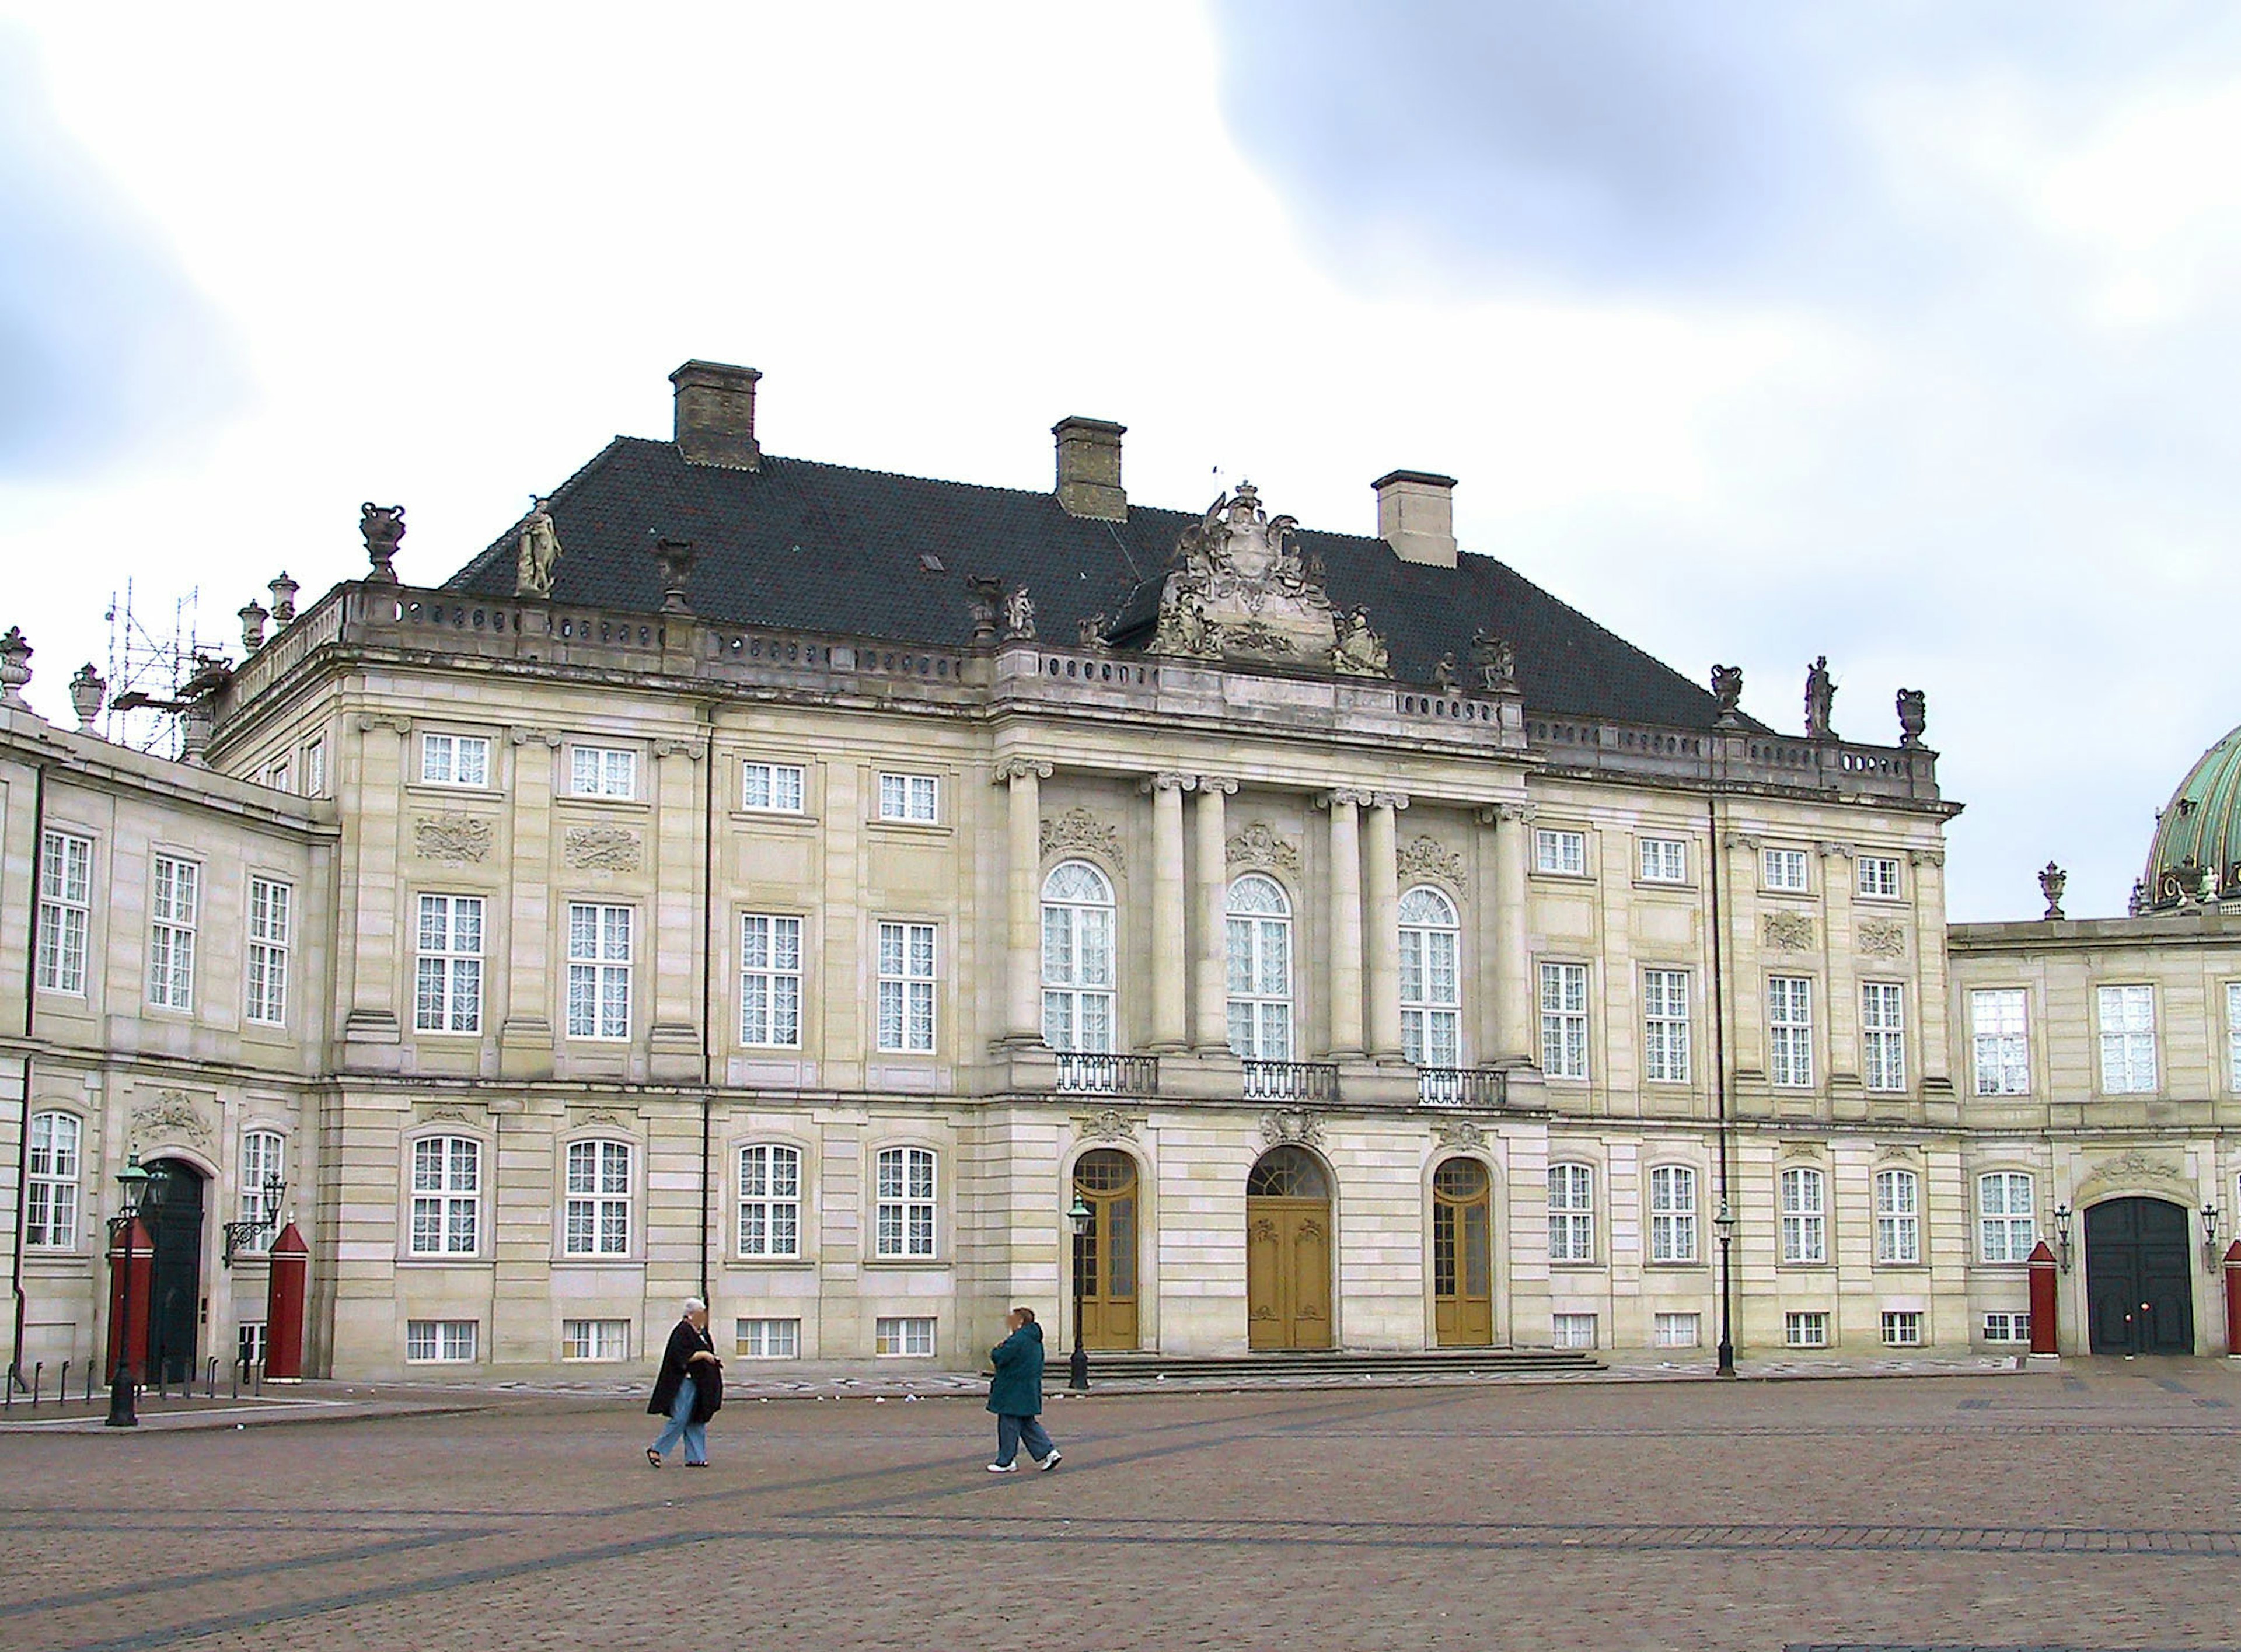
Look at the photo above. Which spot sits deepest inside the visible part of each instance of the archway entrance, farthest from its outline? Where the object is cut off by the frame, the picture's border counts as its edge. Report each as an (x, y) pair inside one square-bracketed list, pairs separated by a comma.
[(1104, 1257), (2140, 1279), (173, 1213), (1462, 1254), (1288, 1252)]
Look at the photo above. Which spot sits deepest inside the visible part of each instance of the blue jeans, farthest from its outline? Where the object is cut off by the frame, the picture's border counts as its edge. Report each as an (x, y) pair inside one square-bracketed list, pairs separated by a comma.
[(681, 1426), (1012, 1431)]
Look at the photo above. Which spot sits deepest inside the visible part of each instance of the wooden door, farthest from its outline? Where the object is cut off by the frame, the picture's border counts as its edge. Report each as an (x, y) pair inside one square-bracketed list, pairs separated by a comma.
[(1288, 1252), (2140, 1279), (1462, 1254), (1105, 1257)]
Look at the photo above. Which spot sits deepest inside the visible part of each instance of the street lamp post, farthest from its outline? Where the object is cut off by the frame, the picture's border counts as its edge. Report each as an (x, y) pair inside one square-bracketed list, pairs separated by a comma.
[(1082, 1219), (1725, 1222), (134, 1181)]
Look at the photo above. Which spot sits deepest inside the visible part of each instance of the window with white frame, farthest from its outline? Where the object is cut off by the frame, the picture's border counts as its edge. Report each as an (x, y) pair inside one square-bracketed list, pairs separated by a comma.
[(1571, 1214), (174, 903), (1998, 1039), (770, 1201), (1564, 1021), (1784, 869), (910, 797), (1560, 851), (447, 981), (65, 910), (315, 769), (1679, 1330), (2128, 1039), (1898, 1218), (2233, 1034), (597, 1219), (602, 771), (767, 1339), (454, 759), (1809, 1330), (911, 1336), (447, 1196), (2007, 1328), (599, 970), (1902, 1329), (771, 788), (770, 980), (907, 983), (2007, 1216), (263, 1159), (1078, 961), (1572, 1330), (1804, 1216), (1665, 1026), (1664, 859), (266, 1000), (905, 1205), (1672, 1214), (1789, 1030), (595, 1339), (1260, 960), (445, 1342), (1431, 984), (1878, 877), (249, 1342), (51, 1182), (1882, 1034), (277, 777)]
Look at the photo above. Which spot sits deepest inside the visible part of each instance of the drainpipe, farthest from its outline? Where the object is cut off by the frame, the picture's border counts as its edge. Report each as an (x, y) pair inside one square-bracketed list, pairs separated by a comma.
[(30, 1005), (1714, 859), (707, 984)]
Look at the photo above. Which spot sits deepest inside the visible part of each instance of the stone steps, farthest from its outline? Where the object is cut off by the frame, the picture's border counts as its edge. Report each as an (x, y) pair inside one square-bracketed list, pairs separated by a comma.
[(1291, 1364)]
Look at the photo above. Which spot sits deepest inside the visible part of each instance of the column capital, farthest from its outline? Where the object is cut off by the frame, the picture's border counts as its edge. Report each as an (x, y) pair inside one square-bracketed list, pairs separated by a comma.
[(523, 736), (677, 748), (1497, 813), (1926, 857), (1219, 784), (1831, 850), (1343, 794), (1739, 841), (1388, 800), (370, 721), (1020, 768), (1168, 780)]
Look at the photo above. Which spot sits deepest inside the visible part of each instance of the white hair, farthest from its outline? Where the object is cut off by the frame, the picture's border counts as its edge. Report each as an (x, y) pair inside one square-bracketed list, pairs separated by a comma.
[(694, 1305)]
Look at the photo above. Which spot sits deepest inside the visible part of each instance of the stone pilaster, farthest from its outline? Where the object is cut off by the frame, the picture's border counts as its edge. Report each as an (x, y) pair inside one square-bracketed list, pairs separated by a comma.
[(1210, 983), (373, 799), (1384, 919), (1170, 945), (1930, 1040), (1747, 980), (1345, 890), (1023, 777), (676, 946), (1846, 1086), (524, 1039), (1514, 1025)]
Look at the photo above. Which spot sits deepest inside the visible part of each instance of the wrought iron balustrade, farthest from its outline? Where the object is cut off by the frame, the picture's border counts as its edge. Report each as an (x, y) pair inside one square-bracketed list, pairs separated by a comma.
[(1460, 1087), (1290, 1081), (1084, 1073)]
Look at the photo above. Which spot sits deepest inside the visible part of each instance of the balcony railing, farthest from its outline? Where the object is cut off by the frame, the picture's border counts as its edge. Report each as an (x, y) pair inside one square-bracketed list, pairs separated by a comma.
[(1291, 1081), (1080, 1073), (1460, 1087)]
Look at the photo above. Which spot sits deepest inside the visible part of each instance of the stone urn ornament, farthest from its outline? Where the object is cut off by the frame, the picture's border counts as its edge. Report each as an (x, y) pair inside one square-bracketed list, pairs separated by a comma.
[(382, 526), (2051, 882), (88, 691)]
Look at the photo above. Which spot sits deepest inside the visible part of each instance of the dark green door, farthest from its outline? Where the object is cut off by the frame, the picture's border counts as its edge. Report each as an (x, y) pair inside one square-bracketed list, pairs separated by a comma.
[(2140, 1279), (176, 1276)]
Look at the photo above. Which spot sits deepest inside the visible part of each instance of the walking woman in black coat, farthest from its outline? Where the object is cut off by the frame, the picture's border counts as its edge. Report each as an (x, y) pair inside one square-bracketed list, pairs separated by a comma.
[(689, 1389)]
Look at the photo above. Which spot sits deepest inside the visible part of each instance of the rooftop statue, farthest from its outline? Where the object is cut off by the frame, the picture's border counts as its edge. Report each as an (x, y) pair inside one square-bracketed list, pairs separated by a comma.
[(539, 553), (1496, 659), (1819, 697)]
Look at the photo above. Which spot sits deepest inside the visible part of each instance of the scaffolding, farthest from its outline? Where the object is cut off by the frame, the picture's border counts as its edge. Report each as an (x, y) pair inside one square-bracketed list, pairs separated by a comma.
[(152, 666)]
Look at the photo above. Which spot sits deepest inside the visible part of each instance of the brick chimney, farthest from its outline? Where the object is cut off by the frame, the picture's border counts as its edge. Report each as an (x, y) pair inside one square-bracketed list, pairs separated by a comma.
[(1416, 516), (716, 415), (1089, 468)]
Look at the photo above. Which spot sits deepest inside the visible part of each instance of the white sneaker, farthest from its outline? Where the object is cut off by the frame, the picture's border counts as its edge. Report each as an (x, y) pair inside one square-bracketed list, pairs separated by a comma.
[(1049, 1462), (1003, 1467)]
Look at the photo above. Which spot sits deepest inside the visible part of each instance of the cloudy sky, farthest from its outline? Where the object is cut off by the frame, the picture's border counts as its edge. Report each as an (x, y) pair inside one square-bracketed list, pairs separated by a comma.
[(1908, 333)]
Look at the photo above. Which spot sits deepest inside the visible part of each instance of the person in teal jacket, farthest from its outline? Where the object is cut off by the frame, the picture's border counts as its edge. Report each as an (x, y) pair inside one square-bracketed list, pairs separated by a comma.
[(1015, 1394)]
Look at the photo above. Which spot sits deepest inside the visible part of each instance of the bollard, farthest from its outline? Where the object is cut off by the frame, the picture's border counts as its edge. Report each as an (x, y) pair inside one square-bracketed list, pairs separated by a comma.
[(237, 1364), (38, 1368), (89, 1379), (209, 1380), (62, 1384), (259, 1390)]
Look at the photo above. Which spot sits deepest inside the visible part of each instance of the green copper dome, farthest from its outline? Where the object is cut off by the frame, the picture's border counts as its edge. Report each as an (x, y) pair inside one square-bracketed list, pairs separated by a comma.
[(2197, 848)]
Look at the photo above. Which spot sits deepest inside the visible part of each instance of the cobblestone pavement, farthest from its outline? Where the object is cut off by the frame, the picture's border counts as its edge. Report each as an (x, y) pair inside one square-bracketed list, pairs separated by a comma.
[(2092, 1509)]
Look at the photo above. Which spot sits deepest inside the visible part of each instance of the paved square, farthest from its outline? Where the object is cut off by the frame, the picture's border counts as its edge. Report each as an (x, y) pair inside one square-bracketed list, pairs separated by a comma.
[(2091, 1510)]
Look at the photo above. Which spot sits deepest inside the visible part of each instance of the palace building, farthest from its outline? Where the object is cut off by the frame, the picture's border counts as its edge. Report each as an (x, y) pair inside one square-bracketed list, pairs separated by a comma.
[(817, 889)]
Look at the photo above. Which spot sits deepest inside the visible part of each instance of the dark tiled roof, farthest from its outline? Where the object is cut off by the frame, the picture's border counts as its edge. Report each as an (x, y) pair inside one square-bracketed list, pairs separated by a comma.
[(825, 547)]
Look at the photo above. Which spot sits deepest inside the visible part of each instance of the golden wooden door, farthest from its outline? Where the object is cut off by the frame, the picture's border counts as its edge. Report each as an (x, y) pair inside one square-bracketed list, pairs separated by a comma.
[(1104, 1258), (1288, 1252), (1462, 1254)]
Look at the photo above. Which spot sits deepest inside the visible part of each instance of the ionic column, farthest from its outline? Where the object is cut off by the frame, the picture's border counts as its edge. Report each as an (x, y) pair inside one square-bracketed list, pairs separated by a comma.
[(1514, 1022), (1746, 976), (1022, 858), (526, 1035), (371, 949), (1385, 926), (1930, 963), (1846, 1069), (1210, 999), (1170, 948), (1345, 920), (675, 942)]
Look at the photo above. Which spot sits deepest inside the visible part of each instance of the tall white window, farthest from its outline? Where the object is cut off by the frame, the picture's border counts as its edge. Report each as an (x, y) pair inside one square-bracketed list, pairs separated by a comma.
[(907, 981), (1882, 1034), (770, 980), (1878, 877), (1557, 851), (454, 759), (263, 1158), (602, 771), (1997, 1036), (1665, 1026), (770, 1201), (1564, 1021), (599, 970), (2128, 1039), (910, 797), (1664, 860), (65, 910), (278, 776), (174, 901), (1898, 1217), (904, 1206), (1431, 984), (1259, 919), (447, 988), (267, 999), (51, 1191), (597, 1220), (1804, 1216), (447, 1192), (772, 787), (315, 769), (1783, 869), (1672, 1214), (1571, 1214), (2233, 1034), (1789, 1029), (2007, 1217), (1078, 965)]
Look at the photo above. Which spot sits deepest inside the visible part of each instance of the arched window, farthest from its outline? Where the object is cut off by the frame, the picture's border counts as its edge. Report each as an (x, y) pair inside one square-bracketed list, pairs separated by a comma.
[(1672, 1214), (1260, 969), (1804, 1216), (1078, 968), (904, 1216), (50, 1204), (598, 1205), (1287, 1173), (1431, 994), (447, 1188), (1571, 1214), (1898, 1217), (770, 1201)]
